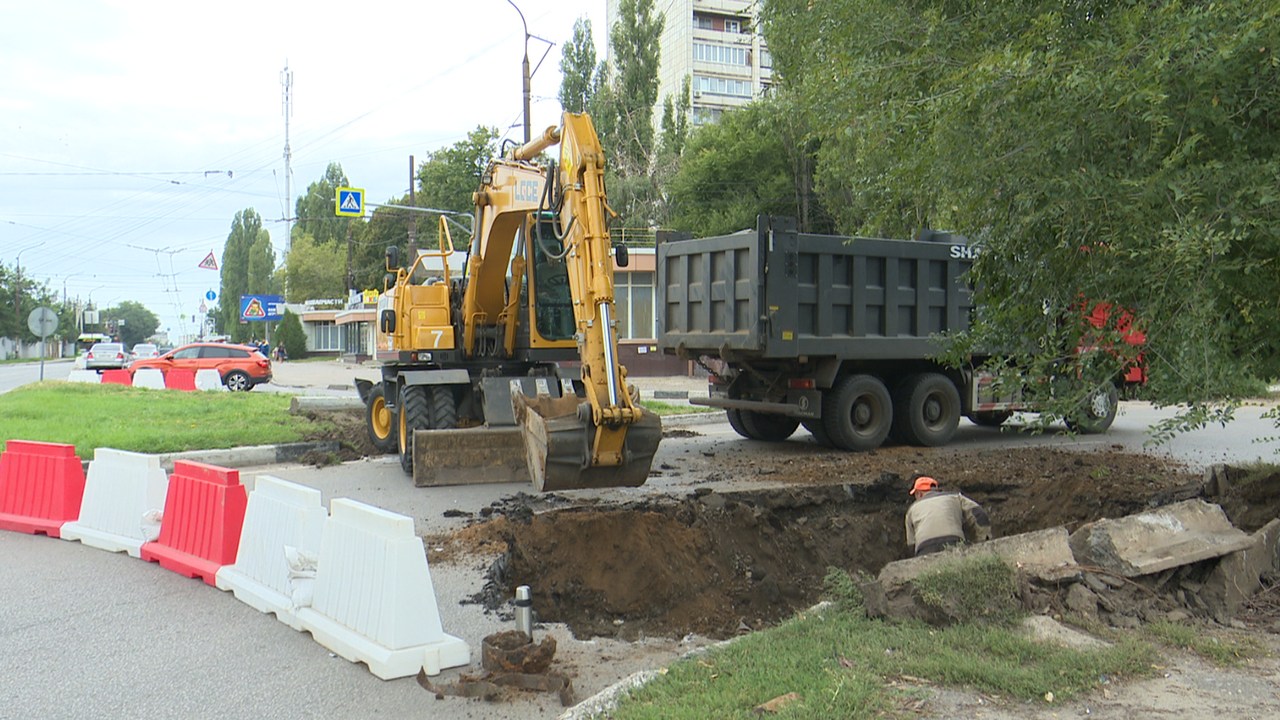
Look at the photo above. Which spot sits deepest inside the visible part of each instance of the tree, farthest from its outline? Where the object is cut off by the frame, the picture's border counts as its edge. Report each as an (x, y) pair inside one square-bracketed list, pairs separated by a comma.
[(315, 213), (261, 265), (314, 270), (245, 229), (733, 170), (578, 68), (1113, 152), (19, 295), (135, 323), (450, 175), (636, 56), (292, 336)]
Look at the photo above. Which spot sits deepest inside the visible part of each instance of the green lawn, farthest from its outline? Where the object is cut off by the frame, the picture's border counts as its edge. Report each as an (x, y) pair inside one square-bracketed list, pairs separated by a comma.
[(148, 421)]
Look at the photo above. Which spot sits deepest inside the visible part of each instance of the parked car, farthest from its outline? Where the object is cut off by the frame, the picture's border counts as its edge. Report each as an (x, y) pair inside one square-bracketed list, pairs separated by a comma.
[(240, 366), (105, 356), (143, 351)]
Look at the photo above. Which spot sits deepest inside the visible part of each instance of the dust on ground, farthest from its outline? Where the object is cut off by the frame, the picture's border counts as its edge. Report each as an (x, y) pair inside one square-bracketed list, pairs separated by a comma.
[(717, 563)]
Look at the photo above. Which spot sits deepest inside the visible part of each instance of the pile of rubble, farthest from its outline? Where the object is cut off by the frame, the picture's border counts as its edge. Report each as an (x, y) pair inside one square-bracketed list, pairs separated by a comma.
[(1182, 560)]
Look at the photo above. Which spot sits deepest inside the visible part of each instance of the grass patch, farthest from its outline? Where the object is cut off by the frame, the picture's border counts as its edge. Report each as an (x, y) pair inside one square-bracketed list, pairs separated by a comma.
[(1220, 648), (839, 662), (658, 407), (981, 588), (147, 421)]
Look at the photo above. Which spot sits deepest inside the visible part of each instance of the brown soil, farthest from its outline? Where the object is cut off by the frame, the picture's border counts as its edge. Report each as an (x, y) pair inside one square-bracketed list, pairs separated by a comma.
[(719, 563), (345, 428)]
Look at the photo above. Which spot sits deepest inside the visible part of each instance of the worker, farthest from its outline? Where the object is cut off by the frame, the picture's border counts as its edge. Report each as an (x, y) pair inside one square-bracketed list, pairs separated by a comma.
[(938, 519)]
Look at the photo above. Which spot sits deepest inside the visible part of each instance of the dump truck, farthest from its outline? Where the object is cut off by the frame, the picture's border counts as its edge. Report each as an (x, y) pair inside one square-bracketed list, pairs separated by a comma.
[(470, 344), (839, 335)]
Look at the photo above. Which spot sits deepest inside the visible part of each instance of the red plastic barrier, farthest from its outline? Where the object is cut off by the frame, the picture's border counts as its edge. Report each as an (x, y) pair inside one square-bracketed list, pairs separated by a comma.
[(203, 514), (180, 379), (117, 377), (41, 486)]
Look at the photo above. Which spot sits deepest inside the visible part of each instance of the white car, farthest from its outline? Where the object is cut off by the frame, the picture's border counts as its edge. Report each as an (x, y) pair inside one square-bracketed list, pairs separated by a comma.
[(143, 351), (105, 356)]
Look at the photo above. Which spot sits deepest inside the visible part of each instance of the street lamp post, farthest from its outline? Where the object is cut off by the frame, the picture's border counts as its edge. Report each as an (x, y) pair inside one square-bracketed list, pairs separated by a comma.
[(524, 66), (17, 287)]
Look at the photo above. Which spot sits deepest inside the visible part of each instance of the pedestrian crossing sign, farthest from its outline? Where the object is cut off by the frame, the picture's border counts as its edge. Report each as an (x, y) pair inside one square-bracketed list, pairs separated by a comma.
[(350, 202)]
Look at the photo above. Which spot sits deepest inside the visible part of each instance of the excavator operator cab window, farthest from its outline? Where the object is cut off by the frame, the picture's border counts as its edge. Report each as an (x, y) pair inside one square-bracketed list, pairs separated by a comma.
[(552, 298)]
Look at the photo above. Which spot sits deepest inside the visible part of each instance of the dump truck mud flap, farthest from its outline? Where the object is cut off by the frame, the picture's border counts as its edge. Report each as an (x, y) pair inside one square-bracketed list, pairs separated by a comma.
[(558, 433)]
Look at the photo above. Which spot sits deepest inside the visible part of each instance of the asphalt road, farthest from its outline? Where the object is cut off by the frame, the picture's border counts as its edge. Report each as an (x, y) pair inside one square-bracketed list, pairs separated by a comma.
[(88, 634)]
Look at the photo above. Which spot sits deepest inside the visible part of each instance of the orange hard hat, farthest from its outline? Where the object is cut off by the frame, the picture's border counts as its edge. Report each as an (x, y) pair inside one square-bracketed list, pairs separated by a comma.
[(923, 484)]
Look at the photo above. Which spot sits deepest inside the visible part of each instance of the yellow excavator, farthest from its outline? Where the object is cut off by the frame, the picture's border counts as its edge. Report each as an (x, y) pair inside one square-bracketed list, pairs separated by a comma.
[(470, 344)]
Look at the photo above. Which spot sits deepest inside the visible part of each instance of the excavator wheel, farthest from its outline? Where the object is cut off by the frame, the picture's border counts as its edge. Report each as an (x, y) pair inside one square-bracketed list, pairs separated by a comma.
[(380, 421), (444, 411), (415, 414)]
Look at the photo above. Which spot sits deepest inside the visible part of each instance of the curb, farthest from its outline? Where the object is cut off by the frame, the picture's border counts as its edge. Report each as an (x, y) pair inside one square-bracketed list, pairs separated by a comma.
[(250, 456)]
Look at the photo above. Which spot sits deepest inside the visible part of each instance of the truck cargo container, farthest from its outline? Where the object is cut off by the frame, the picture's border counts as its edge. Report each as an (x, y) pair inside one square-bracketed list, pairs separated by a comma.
[(838, 334)]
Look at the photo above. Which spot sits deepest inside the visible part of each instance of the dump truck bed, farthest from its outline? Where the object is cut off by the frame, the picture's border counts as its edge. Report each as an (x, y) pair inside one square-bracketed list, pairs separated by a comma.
[(775, 293)]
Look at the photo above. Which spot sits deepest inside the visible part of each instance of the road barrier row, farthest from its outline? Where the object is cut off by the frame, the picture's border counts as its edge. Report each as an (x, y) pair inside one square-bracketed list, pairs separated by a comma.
[(153, 378), (356, 579)]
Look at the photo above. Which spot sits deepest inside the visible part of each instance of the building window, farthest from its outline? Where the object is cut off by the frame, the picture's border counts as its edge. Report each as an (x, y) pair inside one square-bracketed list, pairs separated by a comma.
[(702, 22), (732, 26), (766, 60), (633, 297), (706, 115), (722, 86), (325, 336), (720, 54)]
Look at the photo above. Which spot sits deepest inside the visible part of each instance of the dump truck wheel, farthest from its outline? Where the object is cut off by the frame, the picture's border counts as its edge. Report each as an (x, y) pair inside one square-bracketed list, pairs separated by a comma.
[(380, 421), (415, 414), (818, 431), (1098, 412), (990, 418), (858, 413), (735, 422), (444, 411), (768, 426), (926, 410)]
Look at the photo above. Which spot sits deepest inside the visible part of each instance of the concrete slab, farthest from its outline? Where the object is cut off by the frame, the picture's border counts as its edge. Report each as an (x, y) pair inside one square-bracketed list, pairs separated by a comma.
[(1178, 534), (1239, 574)]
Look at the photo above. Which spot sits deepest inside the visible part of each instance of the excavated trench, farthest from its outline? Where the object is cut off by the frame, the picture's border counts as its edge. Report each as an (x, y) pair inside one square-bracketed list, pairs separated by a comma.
[(719, 563)]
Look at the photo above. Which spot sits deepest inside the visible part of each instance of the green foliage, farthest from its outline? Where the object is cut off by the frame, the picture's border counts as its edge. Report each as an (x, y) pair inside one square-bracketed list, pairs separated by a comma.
[(633, 40), (981, 588), (844, 591), (176, 421), (578, 68), (18, 297), (450, 175), (1103, 151), (732, 171), (838, 663), (135, 322), (314, 212), (262, 262), (246, 227), (313, 270), (1221, 648), (291, 335)]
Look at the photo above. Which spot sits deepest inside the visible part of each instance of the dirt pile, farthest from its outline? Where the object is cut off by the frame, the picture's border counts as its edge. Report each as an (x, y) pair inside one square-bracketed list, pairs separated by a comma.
[(720, 563)]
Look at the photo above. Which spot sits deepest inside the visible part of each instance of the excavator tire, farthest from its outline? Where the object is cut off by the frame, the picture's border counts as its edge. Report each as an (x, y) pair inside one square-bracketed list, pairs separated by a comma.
[(444, 411), (558, 434), (415, 414), (380, 421)]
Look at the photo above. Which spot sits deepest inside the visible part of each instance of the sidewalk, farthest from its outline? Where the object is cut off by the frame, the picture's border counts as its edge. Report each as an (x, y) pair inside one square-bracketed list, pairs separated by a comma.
[(337, 379)]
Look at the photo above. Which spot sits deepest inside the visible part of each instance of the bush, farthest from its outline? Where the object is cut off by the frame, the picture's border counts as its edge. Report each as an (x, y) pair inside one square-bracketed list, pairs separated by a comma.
[(292, 336)]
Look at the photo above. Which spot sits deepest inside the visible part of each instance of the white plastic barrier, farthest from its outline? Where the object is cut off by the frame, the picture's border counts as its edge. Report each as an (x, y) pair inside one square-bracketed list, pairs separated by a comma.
[(151, 378), (123, 499), (84, 376), (280, 515), (374, 601), (209, 379)]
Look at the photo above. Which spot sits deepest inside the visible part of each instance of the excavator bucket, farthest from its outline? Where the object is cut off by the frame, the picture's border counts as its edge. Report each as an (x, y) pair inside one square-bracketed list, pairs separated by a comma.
[(558, 436), (468, 456)]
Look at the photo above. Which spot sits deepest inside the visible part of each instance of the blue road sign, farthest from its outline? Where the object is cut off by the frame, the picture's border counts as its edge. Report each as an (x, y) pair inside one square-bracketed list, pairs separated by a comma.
[(350, 202), (261, 308), (211, 295)]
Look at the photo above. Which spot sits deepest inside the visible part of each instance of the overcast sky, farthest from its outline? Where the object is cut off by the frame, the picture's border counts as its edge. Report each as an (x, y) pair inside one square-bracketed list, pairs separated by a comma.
[(132, 131)]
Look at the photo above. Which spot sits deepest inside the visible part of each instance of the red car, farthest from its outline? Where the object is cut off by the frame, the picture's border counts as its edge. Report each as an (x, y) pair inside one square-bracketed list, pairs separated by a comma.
[(240, 366)]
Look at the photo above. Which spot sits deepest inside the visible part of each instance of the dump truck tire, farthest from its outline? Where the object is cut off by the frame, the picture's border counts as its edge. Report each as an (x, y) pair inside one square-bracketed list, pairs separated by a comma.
[(858, 413), (415, 414), (380, 421), (990, 418), (768, 426), (1098, 412), (818, 431), (735, 422), (926, 410)]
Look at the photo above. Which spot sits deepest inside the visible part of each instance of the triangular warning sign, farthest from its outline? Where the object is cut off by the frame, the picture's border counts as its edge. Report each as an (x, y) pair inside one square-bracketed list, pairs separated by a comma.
[(254, 309), (350, 203), (210, 262)]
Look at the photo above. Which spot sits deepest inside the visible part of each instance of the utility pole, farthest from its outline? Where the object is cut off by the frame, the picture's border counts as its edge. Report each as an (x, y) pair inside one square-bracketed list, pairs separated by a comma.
[(286, 82), (17, 286), (351, 280), (524, 66), (413, 217)]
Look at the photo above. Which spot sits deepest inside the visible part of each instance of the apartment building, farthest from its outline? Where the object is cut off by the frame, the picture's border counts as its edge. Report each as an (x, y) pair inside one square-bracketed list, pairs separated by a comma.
[(715, 43)]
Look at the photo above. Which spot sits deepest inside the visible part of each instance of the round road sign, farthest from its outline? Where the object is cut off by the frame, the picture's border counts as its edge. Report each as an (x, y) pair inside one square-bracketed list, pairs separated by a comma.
[(211, 295), (42, 322)]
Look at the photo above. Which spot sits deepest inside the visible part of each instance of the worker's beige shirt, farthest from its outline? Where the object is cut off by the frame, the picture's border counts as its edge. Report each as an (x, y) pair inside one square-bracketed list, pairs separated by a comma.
[(940, 515)]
